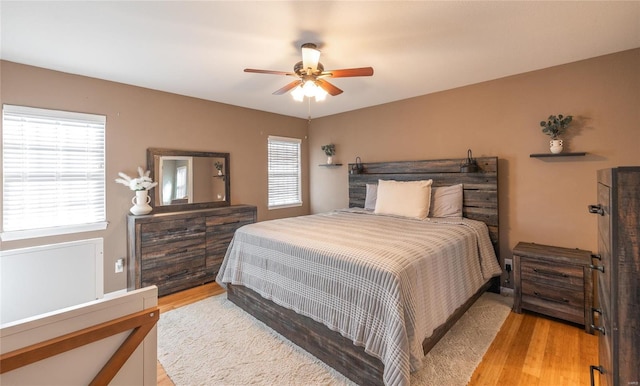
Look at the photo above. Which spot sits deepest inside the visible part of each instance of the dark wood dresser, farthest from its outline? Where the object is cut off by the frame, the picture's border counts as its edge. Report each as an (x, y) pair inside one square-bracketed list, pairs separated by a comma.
[(180, 250), (553, 281), (617, 267)]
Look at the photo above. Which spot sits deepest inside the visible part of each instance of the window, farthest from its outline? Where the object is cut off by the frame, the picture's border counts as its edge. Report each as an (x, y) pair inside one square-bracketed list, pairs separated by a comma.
[(181, 181), (53, 165), (284, 172)]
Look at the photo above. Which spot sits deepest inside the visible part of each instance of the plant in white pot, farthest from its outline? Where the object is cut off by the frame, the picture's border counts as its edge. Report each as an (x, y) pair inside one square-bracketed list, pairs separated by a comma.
[(553, 127), (141, 185), (329, 151)]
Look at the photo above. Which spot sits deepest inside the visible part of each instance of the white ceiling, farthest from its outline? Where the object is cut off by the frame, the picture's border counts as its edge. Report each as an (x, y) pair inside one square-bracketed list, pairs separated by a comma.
[(200, 48)]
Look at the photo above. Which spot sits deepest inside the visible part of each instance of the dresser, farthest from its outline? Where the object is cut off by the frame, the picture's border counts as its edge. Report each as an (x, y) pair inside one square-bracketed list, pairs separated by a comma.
[(554, 281), (617, 267), (180, 250)]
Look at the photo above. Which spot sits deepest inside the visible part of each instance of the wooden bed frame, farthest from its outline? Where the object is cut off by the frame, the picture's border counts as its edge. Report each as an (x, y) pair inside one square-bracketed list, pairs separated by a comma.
[(480, 203)]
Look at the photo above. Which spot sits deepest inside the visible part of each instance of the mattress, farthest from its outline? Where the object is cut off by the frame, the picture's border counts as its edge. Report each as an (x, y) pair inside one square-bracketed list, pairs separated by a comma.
[(384, 282)]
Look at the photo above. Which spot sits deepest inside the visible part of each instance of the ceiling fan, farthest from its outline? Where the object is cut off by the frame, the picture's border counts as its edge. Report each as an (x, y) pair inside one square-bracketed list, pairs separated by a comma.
[(311, 76)]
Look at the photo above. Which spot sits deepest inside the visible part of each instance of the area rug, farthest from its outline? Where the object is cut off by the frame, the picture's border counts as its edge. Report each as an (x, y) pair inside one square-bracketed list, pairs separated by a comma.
[(213, 342)]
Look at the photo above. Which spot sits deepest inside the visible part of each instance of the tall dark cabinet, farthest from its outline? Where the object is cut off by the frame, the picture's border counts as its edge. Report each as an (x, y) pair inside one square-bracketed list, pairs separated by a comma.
[(617, 269)]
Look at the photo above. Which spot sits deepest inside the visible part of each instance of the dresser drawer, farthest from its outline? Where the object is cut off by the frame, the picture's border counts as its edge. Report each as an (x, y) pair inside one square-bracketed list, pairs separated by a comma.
[(550, 274), (173, 278), (161, 232), (245, 217), (605, 344)]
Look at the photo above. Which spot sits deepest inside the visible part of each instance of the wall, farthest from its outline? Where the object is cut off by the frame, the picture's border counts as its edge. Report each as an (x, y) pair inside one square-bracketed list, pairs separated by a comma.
[(139, 118), (541, 200)]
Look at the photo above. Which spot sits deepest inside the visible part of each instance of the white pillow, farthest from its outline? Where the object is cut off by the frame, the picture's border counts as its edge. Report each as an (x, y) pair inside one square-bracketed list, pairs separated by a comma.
[(404, 198), (446, 201), (371, 197)]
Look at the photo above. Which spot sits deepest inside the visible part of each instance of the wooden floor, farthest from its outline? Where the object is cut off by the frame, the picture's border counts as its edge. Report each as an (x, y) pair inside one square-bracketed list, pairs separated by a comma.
[(529, 350)]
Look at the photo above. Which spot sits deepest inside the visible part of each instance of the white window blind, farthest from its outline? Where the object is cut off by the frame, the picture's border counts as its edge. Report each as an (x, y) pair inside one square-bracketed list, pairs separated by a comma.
[(284, 172), (53, 165)]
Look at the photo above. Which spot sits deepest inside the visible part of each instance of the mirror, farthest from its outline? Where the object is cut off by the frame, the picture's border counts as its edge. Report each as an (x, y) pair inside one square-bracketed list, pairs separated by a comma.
[(188, 179)]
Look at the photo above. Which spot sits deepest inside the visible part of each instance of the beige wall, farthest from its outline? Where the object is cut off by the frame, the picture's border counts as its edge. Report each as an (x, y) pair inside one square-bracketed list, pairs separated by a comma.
[(541, 200), (139, 118)]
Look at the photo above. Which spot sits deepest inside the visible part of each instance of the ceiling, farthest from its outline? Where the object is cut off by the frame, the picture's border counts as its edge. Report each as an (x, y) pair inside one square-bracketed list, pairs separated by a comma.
[(200, 48)]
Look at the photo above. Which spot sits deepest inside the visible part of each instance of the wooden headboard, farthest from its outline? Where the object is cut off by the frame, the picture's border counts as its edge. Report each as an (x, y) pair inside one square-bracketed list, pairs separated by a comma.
[(480, 188)]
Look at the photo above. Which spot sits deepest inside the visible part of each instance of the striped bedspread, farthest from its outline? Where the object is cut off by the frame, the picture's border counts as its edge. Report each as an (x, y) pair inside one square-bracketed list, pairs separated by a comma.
[(383, 282)]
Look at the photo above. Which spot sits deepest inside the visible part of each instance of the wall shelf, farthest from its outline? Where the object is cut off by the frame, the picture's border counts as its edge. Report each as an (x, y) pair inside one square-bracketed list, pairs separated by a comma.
[(542, 155), (330, 165)]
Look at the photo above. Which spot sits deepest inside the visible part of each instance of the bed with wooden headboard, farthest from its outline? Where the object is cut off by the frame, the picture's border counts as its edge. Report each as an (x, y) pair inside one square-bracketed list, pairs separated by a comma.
[(480, 202)]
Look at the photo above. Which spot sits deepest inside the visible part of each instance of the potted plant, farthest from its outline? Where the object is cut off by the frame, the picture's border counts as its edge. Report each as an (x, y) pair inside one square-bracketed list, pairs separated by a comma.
[(141, 186), (218, 165), (329, 151), (553, 127)]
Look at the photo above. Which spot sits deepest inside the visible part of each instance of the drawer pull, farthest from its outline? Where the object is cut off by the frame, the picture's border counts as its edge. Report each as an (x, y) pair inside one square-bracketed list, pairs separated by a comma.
[(596, 368), (598, 267), (599, 328), (596, 310), (596, 209), (174, 275), (177, 230), (172, 253), (563, 300), (596, 256), (550, 273)]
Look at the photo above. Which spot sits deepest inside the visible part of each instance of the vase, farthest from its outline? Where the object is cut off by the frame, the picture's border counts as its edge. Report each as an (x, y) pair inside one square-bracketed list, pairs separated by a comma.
[(329, 160), (555, 145), (141, 203)]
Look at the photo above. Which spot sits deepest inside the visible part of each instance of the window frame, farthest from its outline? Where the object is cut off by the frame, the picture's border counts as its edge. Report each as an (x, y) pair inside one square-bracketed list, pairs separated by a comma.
[(289, 140), (31, 231)]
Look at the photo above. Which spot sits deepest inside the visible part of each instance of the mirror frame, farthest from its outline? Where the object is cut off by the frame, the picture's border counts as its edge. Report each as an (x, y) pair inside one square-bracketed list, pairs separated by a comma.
[(152, 153)]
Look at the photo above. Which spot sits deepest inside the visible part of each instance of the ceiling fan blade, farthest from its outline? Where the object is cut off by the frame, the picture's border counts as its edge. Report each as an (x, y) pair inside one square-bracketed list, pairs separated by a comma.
[(288, 87), (347, 72), (269, 72), (328, 87)]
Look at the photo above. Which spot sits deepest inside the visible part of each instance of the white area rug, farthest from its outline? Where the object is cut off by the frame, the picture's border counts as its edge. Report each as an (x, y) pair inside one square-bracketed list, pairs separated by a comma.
[(213, 342)]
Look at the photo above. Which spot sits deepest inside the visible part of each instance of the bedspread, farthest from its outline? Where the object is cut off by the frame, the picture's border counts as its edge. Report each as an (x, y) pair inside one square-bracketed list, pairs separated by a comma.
[(383, 282)]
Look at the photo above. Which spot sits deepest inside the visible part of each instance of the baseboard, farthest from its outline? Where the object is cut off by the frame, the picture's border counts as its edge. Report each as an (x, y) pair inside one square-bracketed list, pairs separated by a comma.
[(506, 291)]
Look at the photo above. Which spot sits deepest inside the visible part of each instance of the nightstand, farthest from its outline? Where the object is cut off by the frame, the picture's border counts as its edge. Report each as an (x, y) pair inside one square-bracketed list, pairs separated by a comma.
[(554, 281)]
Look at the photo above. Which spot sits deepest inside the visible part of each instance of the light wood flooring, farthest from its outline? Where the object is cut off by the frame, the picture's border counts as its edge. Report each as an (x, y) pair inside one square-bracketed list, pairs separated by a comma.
[(529, 350)]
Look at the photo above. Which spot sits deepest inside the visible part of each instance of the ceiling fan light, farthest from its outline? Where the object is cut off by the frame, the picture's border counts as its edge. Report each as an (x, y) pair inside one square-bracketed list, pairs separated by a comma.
[(298, 94), (310, 58), (321, 94), (309, 89)]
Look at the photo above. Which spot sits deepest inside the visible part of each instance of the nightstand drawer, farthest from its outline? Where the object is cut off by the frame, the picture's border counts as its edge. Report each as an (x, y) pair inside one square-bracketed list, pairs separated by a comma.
[(547, 274), (555, 295)]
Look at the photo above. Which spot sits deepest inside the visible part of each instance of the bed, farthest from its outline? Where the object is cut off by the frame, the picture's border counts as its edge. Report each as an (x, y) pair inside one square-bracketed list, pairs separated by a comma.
[(367, 291)]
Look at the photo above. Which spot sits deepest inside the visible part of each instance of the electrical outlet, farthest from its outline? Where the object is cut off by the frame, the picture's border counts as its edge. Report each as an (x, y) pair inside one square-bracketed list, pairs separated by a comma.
[(508, 263), (507, 267), (120, 265)]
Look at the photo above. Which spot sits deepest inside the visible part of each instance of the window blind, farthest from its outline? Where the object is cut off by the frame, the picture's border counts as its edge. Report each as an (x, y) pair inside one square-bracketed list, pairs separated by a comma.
[(284, 172), (53, 165)]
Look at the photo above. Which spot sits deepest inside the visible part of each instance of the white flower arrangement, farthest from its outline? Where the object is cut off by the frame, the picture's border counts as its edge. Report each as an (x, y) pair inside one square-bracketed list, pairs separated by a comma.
[(143, 182)]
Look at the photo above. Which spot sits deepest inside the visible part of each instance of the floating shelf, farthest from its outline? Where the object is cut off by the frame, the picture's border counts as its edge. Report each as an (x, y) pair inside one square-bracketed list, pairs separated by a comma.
[(330, 165), (542, 155)]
